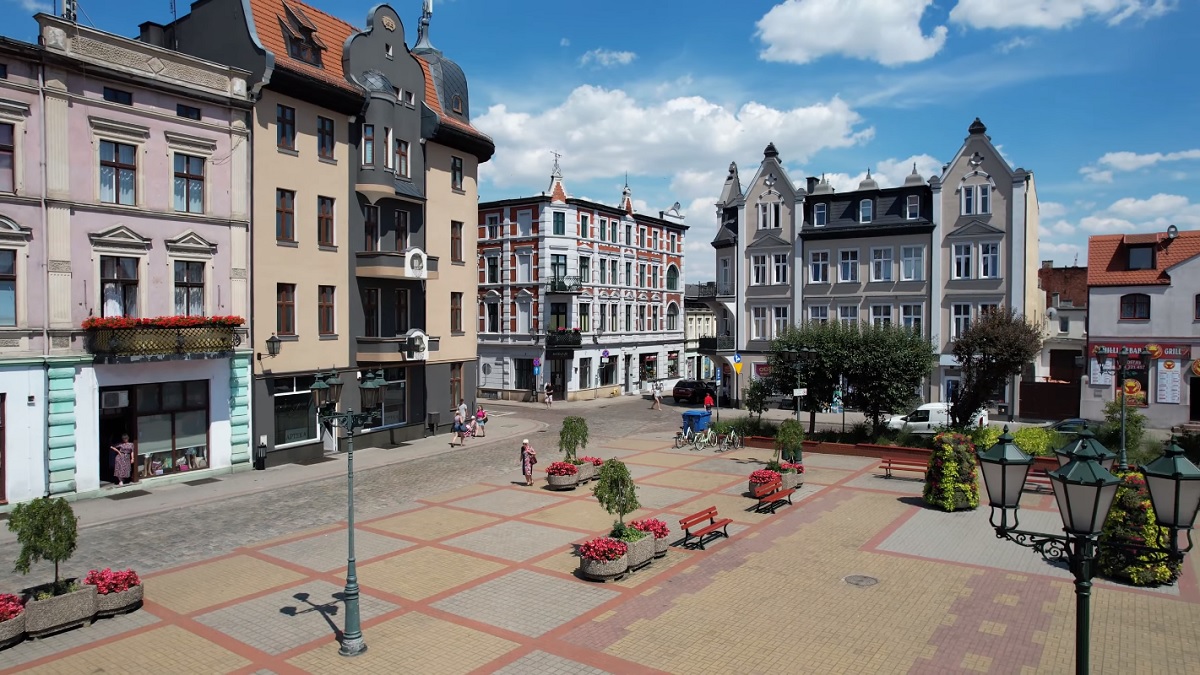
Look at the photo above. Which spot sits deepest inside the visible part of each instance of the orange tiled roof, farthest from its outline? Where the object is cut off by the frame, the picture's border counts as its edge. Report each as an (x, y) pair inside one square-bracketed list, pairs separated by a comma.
[(332, 32), (1107, 258), (431, 99)]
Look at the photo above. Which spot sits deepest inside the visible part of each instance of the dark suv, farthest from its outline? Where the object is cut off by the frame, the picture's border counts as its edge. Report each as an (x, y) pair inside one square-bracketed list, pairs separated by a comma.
[(693, 391)]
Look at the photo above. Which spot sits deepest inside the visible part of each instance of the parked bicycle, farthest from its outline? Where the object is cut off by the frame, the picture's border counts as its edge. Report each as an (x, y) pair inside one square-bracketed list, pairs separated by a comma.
[(731, 441), (707, 438), (684, 437)]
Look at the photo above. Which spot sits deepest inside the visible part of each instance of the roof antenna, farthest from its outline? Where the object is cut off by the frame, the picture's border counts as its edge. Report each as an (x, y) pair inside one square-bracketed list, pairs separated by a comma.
[(68, 12)]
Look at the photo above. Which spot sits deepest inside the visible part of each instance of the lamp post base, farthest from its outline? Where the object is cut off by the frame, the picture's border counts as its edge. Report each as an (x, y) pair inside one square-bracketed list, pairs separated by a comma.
[(353, 647)]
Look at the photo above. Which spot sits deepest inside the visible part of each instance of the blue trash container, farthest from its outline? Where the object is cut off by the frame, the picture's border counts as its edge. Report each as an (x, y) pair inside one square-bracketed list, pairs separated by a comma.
[(696, 420)]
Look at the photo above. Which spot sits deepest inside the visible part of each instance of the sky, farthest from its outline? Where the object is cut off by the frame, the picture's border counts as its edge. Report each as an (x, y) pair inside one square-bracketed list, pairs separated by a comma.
[(1098, 98)]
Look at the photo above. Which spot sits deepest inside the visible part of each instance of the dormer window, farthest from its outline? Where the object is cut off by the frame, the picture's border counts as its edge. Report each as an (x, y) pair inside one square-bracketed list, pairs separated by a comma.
[(820, 215), (300, 33), (914, 207), (1141, 257), (865, 209), (456, 104)]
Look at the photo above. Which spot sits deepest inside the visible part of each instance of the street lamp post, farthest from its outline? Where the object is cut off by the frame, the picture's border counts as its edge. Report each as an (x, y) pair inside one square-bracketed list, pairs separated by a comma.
[(1121, 369), (1084, 490), (798, 358), (326, 392)]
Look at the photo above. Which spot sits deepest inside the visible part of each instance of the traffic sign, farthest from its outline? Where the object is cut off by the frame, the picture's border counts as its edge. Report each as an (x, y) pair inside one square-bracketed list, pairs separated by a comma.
[(537, 370), (737, 358), (737, 366), (800, 392), (718, 377)]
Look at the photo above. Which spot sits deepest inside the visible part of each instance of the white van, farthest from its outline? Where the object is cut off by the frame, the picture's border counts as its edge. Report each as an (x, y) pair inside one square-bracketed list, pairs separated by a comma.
[(929, 417)]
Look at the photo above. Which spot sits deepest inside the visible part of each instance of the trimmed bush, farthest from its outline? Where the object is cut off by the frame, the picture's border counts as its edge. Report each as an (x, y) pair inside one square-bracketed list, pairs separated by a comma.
[(950, 480), (985, 437), (1038, 441), (1131, 521)]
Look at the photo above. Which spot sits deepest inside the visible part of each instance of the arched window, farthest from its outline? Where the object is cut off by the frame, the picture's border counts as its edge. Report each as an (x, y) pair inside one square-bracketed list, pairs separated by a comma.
[(865, 211), (1135, 307), (673, 317), (456, 104), (672, 278)]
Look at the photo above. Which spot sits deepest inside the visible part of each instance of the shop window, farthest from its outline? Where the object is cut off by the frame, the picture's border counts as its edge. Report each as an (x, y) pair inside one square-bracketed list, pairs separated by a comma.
[(171, 427), (295, 417), (394, 406), (118, 286), (524, 372)]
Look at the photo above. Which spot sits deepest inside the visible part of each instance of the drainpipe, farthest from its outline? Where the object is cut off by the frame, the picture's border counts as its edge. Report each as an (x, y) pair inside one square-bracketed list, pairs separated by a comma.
[(45, 274)]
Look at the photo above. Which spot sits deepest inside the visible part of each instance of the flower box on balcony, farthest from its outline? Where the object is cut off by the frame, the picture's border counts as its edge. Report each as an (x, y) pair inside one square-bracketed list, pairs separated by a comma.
[(161, 336)]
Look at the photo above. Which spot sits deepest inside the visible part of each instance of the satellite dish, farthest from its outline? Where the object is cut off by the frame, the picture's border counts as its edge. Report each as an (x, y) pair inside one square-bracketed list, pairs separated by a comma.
[(1051, 313)]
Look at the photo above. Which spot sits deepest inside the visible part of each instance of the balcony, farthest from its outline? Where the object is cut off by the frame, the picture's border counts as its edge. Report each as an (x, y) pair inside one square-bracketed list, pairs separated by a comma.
[(412, 264), (716, 345), (395, 349), (564, 285), (159, 343), (567, 338)]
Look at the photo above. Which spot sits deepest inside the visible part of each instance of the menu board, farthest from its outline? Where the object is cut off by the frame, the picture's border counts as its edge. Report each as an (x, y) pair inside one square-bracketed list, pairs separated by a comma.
[(1169, 381), (1100, 377)]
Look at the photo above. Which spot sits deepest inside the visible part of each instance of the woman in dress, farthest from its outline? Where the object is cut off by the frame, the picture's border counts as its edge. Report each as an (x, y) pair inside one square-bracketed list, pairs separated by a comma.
[(481, 420), (457, 428), (528, 459), (123, 466)]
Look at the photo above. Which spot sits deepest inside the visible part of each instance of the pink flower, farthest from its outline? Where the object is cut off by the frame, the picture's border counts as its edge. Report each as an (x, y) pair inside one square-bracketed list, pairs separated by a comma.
[(562, 469), (596, 461), (604, 549), (10, 606), (108, 581), (654, 526), (764, 476)]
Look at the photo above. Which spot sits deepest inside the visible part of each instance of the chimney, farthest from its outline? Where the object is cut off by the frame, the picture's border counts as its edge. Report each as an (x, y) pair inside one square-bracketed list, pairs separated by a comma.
[(812, 184), (153, 34), (1047, 264)]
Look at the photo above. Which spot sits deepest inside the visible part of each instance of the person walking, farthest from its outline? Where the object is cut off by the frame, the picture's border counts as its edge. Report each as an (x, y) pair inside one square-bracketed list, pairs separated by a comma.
[(463, 410), (708, 402), (481, 418), (458, 429), (657, 396), (549, 395), (123, 466), (528, 459)]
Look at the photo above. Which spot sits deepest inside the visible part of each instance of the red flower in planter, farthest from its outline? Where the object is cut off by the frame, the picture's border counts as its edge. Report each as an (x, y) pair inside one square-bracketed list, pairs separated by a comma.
[(121, 322), (562, 469), (603, 549), (654, 526), (109, 581), (764, 476), (792, 466), (596, 461), (10, 606)]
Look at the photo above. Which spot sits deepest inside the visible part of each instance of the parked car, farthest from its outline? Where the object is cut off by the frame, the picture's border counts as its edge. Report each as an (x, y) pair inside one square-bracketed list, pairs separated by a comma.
[(693, 391), (1070, 426), (929, 417)]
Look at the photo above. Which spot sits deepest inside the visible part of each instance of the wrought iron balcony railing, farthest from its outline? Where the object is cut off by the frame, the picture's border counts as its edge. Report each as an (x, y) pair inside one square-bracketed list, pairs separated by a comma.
[(567, 338), (159, 341), (565, 285), (723, 343)]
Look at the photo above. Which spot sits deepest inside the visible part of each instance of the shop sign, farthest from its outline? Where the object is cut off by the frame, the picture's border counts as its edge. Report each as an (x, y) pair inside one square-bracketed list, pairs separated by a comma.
[(1196, 367), (1158, 350), (762, 370)]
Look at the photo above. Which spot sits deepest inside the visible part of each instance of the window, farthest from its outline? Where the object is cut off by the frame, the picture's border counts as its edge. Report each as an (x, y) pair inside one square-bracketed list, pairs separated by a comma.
[(781, 260), (1135, 307), (560, 223), (493, 227), (881, 264), (326, 324), (770, 215), (989, 261), (389, 158), (603, 229), (819, 314), (962, 261), (325, 138), (524, 268), (960, 316), (865, 211), (612, 231), (493, 317), (820, 215), (642, 238), (914, 207), (672, 278), (370, 228), (671, 248), (301, 49), (585, 270), (370, 301), (189, 288), (672, 318), (1064, 324), (968, 199), (641, 275), (8, 287), (848, 266), (818, 267), (456, 104), (3, 76), (758, 267), (585, 317), (848, 315), (781, 320), (1197, 314), (612, 277), (603, 272), (118, 286), (628, 235), (912, 317), (558, 315), (8, 168), (493, 270), (285, 309), (585, 229), (881, 315), (456, 241), (387, 50), (912, 263), (118, 173), (285, 215), (1141, 257), (402, 313), (456, 388), (628, 274), (285, 127), (368, 145), (760, 324), (525, 378), (988, 308), (188, 111), (456, 173), (293, 408), (400, 225), (189, 183), (985, 199), (325, 221), (402, 158), (410, 99), (456, 322), (118, 96)]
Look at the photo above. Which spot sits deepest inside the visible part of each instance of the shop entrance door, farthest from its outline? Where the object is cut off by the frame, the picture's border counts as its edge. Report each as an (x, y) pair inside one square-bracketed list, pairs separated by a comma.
[(1194, 398), (558, 378), (113, 423)]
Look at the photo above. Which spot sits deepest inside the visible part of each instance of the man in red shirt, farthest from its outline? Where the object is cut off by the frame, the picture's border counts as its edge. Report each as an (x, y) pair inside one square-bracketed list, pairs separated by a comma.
[(708, 402)]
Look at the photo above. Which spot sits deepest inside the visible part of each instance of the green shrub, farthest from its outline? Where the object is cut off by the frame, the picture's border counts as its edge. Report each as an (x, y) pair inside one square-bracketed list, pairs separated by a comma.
[(46, 530), (1131, 520), (754, 426), (615, 489), (1110, 431), (1190, 442), (950, 480), (1038, 441), (986, 436), (788, 441), (1147, 452), (722, 427)]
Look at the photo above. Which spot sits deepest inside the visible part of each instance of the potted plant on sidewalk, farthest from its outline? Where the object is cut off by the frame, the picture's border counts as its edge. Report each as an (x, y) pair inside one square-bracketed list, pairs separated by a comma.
[(762, 477), (660, 532), (562, 476), (46, 530), (603, 558), (789, 441), (588, 467), (792, 474), (117, 592), (12, 620), (618, 495)]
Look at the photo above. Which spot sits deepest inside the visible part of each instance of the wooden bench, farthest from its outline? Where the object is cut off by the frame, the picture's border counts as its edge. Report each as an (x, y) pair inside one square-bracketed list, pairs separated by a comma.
[(714, 527), (1037, 480), (771, 496), (890, 464)]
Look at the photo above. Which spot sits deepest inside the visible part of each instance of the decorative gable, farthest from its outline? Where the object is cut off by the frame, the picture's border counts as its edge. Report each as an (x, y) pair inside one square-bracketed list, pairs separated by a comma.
[(768, 240), (977, 228), (120, 238), (191, 243), (12, 233)]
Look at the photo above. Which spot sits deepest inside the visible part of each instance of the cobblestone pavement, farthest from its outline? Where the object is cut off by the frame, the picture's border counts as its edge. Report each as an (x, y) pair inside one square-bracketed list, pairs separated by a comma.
[(463, 571)]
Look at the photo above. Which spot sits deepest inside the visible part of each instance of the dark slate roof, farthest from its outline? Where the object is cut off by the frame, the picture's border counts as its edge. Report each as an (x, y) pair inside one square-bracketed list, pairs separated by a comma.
[(406, 188)]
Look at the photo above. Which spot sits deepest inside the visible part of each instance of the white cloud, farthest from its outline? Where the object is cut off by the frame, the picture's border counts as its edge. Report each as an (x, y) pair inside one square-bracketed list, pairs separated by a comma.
[(565, 42), (1061, 227), (1054, 14), (1062, 254), (887, 31), (1096, 175), (1155, 207), (606, 58), (1132, 215), (1051, 209), (34, 6), (1132, 161), (888, 173), (1017, 42)]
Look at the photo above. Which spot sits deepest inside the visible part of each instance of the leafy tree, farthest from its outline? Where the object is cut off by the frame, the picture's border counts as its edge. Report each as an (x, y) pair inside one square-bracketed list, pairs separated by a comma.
[(46, 530), (1110, 431), (833, 344), (573, 436), (788, 441), (615, 490), (886, 367), (993, 350), (757, 396)]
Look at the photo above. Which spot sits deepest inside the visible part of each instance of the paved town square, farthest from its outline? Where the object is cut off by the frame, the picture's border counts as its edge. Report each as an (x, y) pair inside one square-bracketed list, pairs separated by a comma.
[(464, 570)]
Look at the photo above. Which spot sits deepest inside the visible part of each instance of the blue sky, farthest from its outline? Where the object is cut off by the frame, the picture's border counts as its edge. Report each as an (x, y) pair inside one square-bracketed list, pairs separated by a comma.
[(1096, 97)]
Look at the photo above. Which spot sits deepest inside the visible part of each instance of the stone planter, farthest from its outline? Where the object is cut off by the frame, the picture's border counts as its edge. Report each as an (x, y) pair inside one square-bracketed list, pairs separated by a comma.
[(112, 604), (61, 612), (12, 631), (587, 472), (562, 482), (661, 546), (641, 552), (792, 480), (603, 570), (753, 487)]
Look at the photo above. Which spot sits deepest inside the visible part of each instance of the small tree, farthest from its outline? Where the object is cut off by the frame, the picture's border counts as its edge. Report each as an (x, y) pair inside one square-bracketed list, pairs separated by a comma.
[(46, 530), (886, 368), (788, 441), (757, 395), (1110, 431), (573, 436), (615, 490), (993, 350)]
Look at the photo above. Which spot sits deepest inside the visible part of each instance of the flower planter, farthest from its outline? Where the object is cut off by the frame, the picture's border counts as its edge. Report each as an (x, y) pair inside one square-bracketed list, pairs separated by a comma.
[(562, 482), (122, 602), (661, 546), (752, 487), (792, 480), (587, 472), (641, 552), (12, 631), (603, 570), (61, 612)]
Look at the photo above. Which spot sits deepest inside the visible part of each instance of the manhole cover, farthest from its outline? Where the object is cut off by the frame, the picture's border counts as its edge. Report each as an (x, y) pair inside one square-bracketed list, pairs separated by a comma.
[(860, 580)]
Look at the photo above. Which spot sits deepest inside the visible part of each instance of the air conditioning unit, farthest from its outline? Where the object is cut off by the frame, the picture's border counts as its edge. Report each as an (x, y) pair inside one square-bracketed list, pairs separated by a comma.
[(111, 400)]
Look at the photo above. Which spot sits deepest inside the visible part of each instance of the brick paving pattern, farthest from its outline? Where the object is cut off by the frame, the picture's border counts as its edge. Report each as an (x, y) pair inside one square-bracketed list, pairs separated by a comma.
[(464, 572)]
